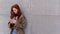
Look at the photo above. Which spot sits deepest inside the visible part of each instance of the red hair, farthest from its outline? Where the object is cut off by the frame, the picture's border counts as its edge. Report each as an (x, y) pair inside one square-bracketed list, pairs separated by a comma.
[(18, 12)]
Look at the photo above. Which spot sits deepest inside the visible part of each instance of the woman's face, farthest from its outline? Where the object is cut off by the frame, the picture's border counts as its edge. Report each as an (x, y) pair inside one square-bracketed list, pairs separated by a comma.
[(15, 10)]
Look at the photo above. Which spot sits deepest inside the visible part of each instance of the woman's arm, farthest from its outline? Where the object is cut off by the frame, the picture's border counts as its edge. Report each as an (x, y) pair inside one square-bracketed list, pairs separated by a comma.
[(21, 23), (13, 20)]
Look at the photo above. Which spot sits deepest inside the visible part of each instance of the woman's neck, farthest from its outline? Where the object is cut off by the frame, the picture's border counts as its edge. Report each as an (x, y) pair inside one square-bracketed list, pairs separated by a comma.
[(16, 15)]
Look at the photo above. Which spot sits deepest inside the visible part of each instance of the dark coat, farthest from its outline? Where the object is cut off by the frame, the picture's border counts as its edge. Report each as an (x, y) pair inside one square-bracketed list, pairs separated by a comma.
[(20, 25)]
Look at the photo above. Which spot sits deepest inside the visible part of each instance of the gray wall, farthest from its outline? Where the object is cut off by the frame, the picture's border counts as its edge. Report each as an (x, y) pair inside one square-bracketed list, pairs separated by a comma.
[(43, 16)]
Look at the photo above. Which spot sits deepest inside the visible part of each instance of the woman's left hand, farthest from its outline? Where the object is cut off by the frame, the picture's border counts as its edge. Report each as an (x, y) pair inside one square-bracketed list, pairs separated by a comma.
[(14, 21)]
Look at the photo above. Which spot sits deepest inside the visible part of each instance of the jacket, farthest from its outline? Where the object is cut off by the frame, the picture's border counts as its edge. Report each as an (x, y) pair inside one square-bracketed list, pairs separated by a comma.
[(20, 25)]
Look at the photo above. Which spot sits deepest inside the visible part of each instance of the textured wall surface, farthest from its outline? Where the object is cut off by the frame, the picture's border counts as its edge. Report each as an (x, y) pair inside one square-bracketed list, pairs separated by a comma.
[(43, 16)]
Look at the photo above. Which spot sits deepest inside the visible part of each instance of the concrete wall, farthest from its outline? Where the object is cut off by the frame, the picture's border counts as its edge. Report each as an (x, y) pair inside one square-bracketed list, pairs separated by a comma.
[(43, 16)]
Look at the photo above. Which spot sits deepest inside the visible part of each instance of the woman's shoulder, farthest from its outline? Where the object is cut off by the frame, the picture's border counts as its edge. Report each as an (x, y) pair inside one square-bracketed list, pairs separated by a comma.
[(22, 17)]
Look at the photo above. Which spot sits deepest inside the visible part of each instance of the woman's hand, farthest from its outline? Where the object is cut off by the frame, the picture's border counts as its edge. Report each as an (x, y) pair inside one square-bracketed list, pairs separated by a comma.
[(13, 21)]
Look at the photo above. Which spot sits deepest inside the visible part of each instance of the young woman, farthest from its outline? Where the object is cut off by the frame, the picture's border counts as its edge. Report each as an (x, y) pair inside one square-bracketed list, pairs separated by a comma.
[(17, 20)]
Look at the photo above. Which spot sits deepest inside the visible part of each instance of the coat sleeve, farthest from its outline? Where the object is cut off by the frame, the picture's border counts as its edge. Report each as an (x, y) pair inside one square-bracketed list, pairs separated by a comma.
[(21, 23)]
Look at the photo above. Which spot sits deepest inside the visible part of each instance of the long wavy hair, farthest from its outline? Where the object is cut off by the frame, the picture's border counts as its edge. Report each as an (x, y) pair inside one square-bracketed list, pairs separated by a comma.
[(12, 12)]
